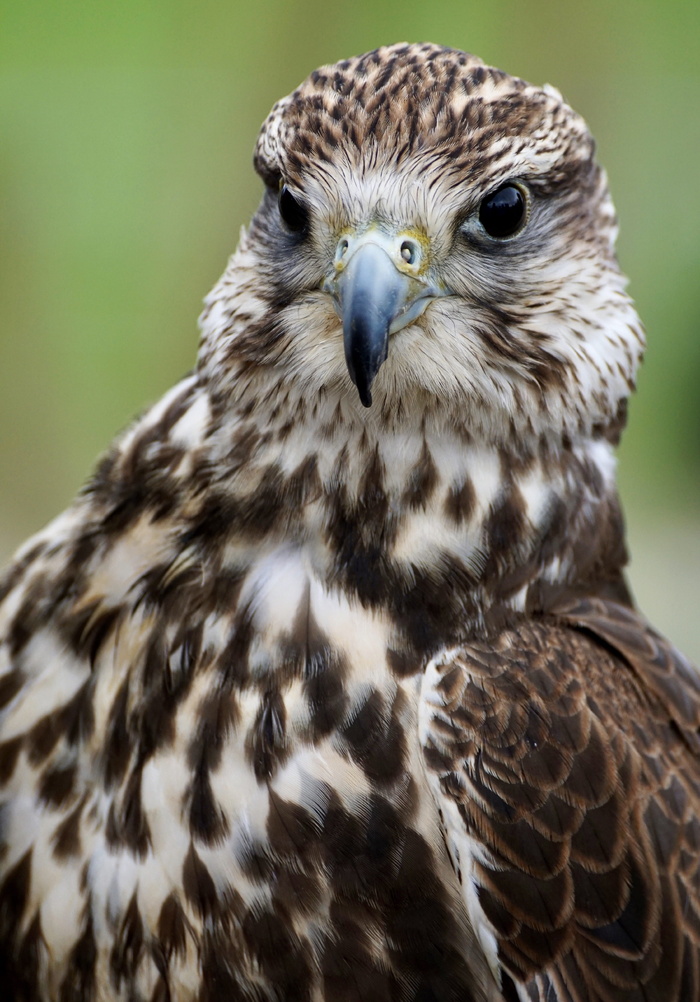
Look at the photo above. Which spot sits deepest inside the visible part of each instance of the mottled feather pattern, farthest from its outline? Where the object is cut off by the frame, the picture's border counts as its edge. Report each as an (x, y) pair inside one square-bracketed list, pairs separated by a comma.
[(303, 700), (584, 787)]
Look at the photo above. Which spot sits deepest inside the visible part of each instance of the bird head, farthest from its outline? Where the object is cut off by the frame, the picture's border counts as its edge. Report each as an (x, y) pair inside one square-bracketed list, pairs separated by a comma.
[(436, 240)]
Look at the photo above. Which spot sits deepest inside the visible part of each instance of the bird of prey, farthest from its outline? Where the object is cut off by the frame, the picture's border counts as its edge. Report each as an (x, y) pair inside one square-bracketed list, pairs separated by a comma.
[(328, 687)]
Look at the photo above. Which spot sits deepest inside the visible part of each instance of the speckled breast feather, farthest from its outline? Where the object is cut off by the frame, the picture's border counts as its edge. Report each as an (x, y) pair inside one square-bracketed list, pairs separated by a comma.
[(328, 687)]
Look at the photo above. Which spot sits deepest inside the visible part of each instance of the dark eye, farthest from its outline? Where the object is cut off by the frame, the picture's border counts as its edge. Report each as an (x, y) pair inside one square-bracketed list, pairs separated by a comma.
[(503, 213), (292, 211)]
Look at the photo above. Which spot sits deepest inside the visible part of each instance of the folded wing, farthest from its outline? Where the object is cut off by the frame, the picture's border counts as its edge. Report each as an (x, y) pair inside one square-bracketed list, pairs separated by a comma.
[(563, 757)]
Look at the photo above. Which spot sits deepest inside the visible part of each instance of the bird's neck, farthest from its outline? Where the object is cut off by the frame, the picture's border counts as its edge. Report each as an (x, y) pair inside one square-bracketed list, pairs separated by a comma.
[(447, 534)]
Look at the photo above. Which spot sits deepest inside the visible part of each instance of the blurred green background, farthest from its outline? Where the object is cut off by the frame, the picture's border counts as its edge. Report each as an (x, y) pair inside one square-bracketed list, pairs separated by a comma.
[(126, 133)]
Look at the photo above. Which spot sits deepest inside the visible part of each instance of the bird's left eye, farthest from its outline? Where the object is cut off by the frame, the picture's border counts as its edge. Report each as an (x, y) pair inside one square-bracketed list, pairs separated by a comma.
[(294, 214), (503, 212)]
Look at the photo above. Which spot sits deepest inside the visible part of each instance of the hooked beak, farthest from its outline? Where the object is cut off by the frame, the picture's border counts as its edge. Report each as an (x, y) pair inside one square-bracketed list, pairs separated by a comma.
[(379, 284)]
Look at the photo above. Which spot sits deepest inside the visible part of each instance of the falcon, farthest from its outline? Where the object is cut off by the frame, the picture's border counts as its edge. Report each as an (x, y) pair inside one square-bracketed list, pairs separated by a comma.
[(328, 687)]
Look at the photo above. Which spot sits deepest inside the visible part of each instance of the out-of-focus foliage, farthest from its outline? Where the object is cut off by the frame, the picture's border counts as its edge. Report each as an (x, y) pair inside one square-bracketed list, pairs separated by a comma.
[(125, 139)]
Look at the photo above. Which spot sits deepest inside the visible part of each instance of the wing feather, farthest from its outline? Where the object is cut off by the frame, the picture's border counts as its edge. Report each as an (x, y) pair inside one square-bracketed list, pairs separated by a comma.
[(568, 746)]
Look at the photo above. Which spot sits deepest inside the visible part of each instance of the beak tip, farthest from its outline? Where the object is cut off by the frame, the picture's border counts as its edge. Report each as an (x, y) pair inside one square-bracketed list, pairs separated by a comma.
[(362, 385)]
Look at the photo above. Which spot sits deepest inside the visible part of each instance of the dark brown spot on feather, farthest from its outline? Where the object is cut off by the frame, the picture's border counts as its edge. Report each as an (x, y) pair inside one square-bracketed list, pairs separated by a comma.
[(127, 948), (172, 927), (66, 839), (117, 744), (79, 982), (233, 660), (98, 631), (422, 481), (376, 738), (30, 955), (198, 885), (300, 892), (219, 976), (460, 501), (255, 860), (324, 674), (167, 676), (421, 928), (282, 956), (9, 753), (292, 830), (74, 722), (303, 484), (208, 822), (14, 894), (505, 526), (10, 685), (432, 609), (351, 969), (218, 714), (403, 663), (126, 822), (266, 742), (57, 785)]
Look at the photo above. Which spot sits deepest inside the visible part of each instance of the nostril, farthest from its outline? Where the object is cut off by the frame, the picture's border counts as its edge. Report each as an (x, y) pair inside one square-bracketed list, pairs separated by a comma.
[(341, 250), (409, 252)]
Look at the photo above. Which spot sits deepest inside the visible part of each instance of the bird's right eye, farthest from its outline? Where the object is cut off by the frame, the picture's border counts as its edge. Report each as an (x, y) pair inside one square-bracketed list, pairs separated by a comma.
[(294, 215)]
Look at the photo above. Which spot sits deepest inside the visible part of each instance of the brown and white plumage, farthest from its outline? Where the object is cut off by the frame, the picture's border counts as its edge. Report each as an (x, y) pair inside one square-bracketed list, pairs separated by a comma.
[(309, 700)]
